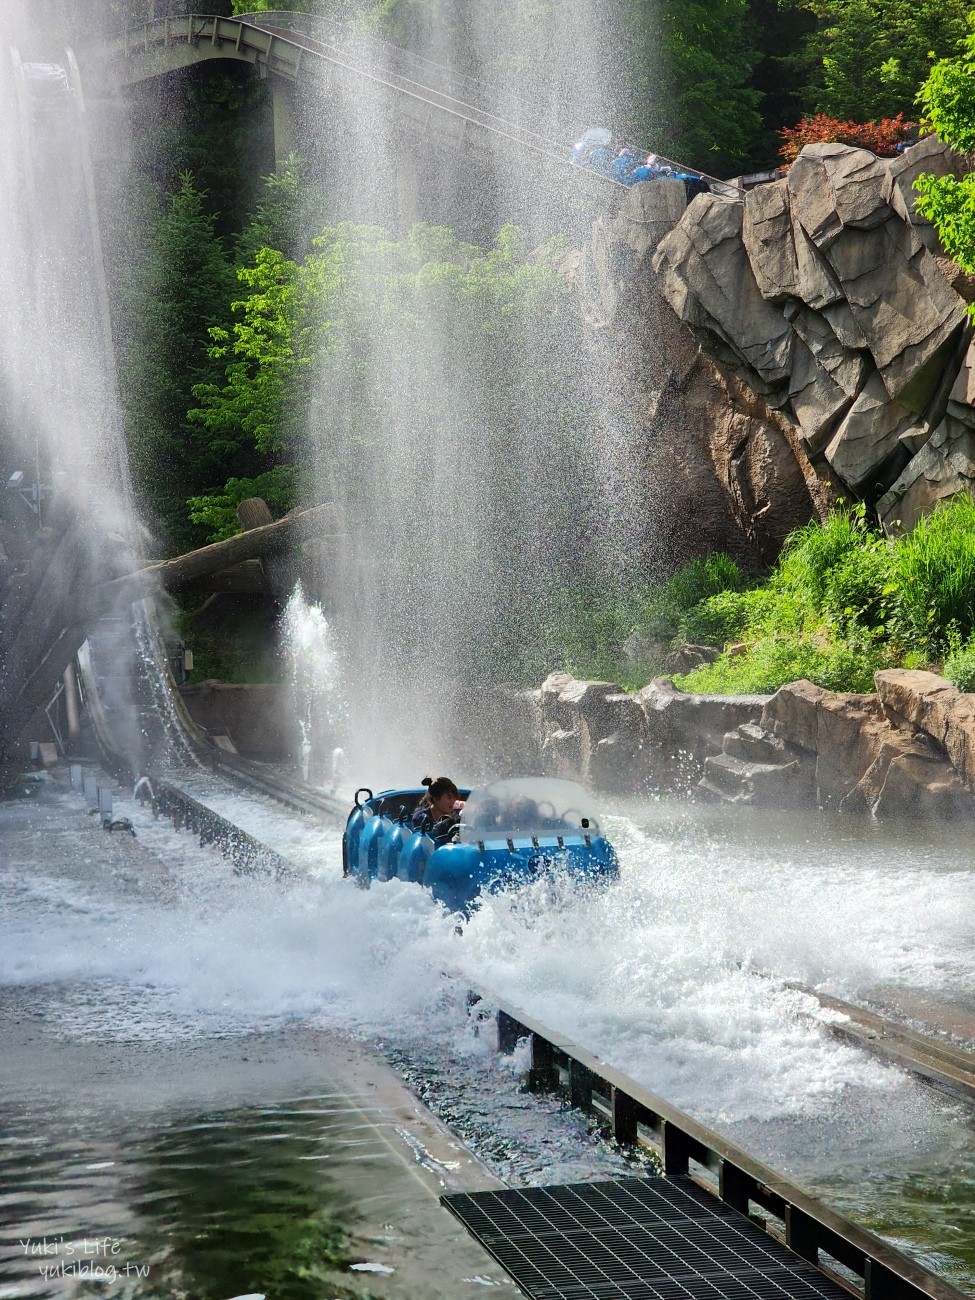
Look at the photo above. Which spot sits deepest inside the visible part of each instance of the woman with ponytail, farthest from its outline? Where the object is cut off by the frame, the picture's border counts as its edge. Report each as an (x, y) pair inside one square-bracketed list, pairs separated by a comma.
[(438, 812)]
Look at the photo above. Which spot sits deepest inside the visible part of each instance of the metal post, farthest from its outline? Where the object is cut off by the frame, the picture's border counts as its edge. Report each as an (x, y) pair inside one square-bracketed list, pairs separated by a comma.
[(71, 701), (580, 1086), (734, 1186), (801, 1234), (509, 1032), (676, 1159), (623, 1118), (542, 1074)]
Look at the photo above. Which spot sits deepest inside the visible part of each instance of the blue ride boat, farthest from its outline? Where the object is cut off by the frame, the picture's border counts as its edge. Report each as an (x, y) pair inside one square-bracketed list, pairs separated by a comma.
[(509, 832)]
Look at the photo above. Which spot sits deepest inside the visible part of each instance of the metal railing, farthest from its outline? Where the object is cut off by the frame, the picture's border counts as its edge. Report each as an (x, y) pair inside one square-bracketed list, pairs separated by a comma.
[(861, 1262)]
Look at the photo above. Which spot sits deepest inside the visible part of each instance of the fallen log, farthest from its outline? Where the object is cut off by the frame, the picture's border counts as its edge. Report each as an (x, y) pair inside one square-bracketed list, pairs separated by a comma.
[(172, 575)]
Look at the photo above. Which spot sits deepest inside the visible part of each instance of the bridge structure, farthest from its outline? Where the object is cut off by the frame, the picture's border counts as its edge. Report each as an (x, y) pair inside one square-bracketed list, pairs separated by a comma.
[(427, 109), (423, 110)]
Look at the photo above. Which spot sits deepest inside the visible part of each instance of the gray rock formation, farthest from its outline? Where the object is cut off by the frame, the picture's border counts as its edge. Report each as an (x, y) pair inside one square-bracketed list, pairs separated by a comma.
[(823, 293), (716, 451), (908, 750)]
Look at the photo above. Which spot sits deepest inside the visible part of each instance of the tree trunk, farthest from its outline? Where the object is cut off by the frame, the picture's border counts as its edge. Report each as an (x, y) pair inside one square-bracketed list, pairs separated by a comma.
[(281, 574)]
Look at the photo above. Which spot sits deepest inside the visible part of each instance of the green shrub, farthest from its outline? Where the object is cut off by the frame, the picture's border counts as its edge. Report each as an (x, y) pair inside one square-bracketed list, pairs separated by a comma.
[(934, 569), (665, 608), (859, 589), (773, 661), (812, 552), (960, 668)]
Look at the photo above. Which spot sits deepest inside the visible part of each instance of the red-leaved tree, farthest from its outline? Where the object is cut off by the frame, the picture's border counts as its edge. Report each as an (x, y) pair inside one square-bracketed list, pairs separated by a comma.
[(881, 137)]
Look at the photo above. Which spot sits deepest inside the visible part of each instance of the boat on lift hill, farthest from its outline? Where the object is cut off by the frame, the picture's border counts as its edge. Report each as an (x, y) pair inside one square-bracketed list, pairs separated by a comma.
[(509, 832)]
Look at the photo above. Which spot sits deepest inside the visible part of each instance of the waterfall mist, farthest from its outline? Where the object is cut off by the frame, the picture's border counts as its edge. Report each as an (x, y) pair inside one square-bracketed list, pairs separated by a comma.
[(70, 499), (484, 444)]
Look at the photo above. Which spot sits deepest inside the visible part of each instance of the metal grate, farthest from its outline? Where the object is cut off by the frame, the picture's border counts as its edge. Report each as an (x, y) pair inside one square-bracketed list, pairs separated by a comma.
[(635, 1239)]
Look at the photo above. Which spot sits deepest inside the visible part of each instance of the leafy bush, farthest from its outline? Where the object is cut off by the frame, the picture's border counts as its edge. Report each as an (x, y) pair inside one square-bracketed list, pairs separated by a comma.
[(842, 602), (934, 570), (811, 553), (731, 615), (859, 590), (881, 137), (773, 661), (960, 668), (665, 609), (218, 510)]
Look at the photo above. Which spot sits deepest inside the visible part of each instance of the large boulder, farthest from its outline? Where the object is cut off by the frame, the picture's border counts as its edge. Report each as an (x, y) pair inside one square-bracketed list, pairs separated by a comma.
[(835, 188), (694, 725), (709, 280), (844, 731), (930, 157), (936, 707), (818, 292)]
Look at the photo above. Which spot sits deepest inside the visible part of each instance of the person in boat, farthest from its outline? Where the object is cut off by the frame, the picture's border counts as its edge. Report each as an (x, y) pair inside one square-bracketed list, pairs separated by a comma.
[(624, 165), (438, 812)]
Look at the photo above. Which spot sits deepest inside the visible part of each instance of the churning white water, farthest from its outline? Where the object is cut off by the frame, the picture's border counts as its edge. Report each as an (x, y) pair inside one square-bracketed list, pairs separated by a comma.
[(655, 974)]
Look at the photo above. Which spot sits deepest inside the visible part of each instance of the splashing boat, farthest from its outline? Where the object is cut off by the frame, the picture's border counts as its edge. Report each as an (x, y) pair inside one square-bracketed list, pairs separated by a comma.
[(510, 831)]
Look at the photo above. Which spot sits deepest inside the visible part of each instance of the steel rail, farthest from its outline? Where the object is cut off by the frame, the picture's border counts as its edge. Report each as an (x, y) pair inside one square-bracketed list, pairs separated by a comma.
[(946, 1065), (429, 70)]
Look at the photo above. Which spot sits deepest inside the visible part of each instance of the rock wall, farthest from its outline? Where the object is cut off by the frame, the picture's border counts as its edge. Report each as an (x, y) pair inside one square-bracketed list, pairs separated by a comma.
[(825, 294), (714, 450), (908, 750)]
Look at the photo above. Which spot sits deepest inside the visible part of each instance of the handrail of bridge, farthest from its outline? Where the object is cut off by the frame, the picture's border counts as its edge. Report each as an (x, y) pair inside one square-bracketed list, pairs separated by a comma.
[(345, 52), (635, 1116), (478, 94), (437, 76)]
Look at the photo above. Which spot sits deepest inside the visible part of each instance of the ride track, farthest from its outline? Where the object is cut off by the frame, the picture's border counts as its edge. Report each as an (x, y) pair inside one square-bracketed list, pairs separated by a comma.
[(631, 1114)]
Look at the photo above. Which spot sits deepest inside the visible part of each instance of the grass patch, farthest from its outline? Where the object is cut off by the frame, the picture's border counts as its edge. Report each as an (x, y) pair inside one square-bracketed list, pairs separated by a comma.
[(842, 602)]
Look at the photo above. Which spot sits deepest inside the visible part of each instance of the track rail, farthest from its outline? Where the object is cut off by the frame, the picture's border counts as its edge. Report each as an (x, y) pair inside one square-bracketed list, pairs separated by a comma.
[(294, 51), (940, 1062)]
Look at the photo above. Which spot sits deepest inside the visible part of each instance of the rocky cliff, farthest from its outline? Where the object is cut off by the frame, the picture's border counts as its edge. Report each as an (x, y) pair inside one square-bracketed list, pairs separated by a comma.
[(825, 295), (803, 341), (907, 750), (716, 452)]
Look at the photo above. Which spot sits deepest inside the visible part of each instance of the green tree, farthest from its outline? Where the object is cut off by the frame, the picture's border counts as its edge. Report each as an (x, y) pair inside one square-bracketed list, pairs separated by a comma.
[(710, 118), (171, 299), (873, 55), (948, 101)]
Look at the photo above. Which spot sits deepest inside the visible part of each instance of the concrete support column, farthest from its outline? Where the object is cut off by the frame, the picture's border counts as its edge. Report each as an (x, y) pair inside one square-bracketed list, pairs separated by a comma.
[(283, 109)]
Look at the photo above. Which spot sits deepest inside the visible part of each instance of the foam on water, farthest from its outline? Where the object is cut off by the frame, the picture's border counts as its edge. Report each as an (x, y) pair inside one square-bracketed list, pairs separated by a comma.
[(653, 974)]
